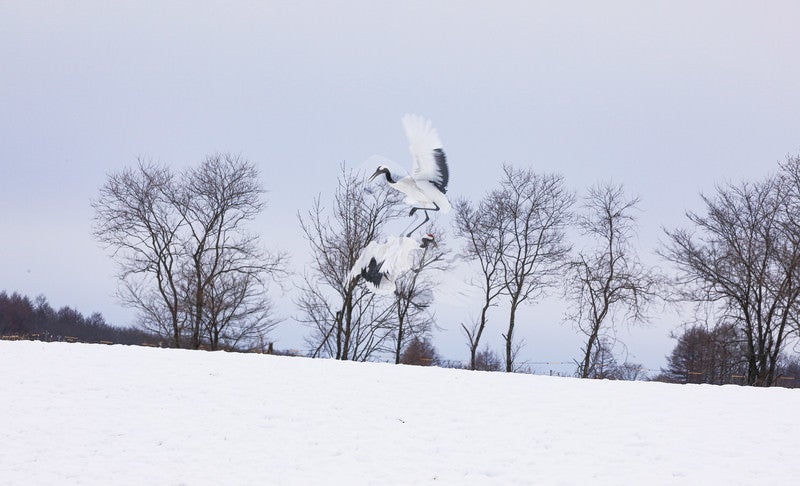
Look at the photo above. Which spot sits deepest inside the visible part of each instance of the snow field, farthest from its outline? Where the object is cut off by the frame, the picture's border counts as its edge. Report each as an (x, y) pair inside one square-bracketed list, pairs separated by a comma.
[(93, 414)]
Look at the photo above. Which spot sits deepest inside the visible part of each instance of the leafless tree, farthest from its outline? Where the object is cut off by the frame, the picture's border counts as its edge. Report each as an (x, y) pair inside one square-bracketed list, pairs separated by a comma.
[(187, 263), (481, 228), (488, 360), (237, 313), (414, 295), (630, 372), (607, 279), (603, 363), (536, 210), (743, 257), (789, 177), (134, 217), (216, 201), (347, 321)]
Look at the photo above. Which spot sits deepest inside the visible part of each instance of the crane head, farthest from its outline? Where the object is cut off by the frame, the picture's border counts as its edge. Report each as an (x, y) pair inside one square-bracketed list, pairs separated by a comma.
[(427, 240), (382, 169)]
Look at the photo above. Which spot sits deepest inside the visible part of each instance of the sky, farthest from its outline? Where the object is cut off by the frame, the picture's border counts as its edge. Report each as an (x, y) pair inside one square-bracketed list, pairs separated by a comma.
[(666, 98)]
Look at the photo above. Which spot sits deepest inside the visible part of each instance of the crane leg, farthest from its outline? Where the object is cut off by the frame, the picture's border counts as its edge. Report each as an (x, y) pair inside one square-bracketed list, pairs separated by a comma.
[(409, 225), (427, 218)]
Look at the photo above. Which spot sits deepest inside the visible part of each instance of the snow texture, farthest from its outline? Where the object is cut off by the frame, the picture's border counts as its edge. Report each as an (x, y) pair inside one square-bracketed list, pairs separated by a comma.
[(94, 414)]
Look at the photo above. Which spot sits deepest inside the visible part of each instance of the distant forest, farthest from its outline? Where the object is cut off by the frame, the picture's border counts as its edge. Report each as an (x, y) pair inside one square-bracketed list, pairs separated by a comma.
[(23, 318)]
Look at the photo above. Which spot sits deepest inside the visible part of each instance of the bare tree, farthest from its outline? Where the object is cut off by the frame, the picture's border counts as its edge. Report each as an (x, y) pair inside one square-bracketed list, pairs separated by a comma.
[(134, 217), (346, 320), (607, 278), (789, 177), (488, 360), (481, 228), (216, 201), (238, 313), (603, 364), (743, 257), (536, 212), (414, 295), (630, 372), (187, 263), (603, 361)]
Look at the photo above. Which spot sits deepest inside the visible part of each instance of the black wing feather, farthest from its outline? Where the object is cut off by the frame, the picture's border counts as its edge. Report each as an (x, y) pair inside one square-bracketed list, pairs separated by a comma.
[(444, 172), (372, 272)]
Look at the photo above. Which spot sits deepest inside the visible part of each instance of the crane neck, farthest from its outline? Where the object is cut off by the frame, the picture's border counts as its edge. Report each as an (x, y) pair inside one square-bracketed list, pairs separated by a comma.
[(388, 176)]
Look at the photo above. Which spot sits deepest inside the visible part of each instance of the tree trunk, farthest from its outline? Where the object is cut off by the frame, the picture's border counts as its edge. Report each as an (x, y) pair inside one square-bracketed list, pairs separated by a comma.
[(510, 336), (478, 333), (588, 355), (348, 326), (198, 305), (399, 346), (339, 331)]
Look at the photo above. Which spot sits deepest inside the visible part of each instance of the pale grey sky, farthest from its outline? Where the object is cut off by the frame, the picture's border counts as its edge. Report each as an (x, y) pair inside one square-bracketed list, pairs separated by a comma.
[(666, 97)]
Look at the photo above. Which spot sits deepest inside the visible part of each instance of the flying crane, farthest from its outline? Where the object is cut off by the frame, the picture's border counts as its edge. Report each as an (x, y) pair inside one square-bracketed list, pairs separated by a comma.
[(426, 187)]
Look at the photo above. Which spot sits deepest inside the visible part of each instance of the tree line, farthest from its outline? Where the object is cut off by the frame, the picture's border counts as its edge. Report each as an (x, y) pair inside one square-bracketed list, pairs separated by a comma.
[(718, 356), (23, 318), (197, 277)]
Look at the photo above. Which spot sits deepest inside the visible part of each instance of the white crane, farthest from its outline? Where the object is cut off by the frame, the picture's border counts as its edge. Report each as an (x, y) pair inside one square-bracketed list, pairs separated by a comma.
[(425, 188), (380, 264)]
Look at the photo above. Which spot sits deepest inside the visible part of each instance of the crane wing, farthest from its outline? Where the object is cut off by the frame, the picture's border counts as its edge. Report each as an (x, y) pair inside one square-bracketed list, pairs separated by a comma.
[(373, 251), (380, 264), (398, 255), (429, 161)]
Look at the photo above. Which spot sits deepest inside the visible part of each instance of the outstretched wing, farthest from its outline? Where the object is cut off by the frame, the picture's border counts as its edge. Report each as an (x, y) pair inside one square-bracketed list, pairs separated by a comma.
[(372, 250), (380, 264), (429, 161), (371, 266), (379, 282)]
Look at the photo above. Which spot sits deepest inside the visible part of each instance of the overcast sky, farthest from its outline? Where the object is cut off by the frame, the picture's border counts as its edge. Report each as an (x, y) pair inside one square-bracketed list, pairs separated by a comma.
[(665, 97)]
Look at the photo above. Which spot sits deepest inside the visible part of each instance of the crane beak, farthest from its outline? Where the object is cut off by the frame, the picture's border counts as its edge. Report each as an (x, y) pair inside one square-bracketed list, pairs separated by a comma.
[(375, 174)]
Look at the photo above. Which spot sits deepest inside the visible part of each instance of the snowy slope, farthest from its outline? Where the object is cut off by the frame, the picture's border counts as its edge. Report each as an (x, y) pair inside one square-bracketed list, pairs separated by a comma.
[(93, 414)]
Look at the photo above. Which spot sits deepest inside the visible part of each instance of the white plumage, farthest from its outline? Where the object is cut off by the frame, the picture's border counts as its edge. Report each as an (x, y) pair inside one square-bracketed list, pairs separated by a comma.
[(381, 264), (426, 187)]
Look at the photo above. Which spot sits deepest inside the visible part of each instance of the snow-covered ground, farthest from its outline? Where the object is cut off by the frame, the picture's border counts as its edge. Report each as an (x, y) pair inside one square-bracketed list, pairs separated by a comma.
[(93, 414)]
